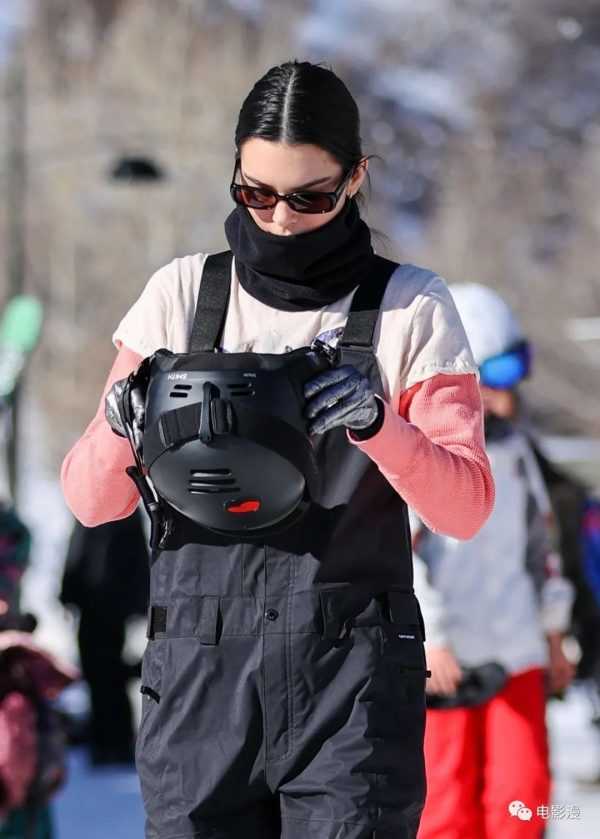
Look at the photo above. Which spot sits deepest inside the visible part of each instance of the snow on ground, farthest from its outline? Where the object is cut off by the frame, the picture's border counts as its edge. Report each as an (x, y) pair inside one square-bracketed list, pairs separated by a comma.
[(98, 803), (575, 747)]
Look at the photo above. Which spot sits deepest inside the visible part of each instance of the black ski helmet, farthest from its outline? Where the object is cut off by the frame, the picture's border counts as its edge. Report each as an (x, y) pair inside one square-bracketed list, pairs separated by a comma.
[(225, 440)]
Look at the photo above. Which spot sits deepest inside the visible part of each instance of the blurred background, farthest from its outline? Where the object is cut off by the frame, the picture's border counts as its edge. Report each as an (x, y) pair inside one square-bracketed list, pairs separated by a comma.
[(116, 148)]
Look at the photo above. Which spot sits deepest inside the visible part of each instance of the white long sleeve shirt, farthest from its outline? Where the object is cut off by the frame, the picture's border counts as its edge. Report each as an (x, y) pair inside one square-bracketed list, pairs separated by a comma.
[(493, 597)]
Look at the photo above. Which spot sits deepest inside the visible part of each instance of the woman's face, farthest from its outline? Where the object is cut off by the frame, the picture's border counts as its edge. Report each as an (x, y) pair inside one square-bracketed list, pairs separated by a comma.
[(285, 168)]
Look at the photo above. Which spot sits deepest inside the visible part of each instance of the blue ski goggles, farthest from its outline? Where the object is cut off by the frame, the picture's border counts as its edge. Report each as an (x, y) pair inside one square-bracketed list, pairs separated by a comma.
[(504, 371)]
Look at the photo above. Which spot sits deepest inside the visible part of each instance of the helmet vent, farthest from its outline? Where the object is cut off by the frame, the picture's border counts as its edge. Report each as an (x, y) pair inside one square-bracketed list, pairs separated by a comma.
[(210, 481), (241, 389), (180, 391)]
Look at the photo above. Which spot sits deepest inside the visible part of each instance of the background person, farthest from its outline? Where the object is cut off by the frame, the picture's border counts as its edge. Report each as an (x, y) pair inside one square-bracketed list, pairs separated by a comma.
[(106, 579), (496, 598)]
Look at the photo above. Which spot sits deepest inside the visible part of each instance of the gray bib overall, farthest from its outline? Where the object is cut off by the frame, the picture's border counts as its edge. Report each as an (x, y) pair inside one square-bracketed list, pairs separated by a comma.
[(284, 681)]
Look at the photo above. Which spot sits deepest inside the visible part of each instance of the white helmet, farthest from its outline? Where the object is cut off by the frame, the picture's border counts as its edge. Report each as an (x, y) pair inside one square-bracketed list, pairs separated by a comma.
[(489, 322)]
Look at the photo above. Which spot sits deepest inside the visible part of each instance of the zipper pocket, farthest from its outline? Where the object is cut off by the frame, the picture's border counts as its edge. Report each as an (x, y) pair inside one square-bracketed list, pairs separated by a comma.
[(150, 693)]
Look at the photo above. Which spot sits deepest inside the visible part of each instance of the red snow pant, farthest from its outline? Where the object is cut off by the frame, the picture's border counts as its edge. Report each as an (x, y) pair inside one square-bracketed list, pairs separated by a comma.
[(479, 760)]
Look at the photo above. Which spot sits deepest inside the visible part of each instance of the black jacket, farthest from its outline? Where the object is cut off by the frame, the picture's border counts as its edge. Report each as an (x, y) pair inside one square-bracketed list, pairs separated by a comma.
[(107, 567)]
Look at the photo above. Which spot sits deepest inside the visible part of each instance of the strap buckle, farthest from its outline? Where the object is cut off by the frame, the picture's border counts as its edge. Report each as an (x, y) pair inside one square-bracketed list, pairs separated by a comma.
[(216, 414)]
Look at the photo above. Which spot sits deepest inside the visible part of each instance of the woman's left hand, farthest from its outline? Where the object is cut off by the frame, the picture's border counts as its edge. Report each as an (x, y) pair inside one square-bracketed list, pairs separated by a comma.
[(342, 397)]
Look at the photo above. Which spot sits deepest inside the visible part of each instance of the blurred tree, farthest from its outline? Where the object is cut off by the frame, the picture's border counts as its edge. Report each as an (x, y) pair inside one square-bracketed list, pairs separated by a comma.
[(125, 79), (105, 12)]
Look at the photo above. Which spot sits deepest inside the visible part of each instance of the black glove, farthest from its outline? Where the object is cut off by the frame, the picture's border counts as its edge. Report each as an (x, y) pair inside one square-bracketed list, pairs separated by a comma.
[(124, 400), (342, 396)]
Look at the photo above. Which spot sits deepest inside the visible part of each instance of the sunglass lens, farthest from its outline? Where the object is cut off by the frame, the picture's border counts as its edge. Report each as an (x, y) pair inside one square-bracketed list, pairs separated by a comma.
[(253, 197), (310, 202)]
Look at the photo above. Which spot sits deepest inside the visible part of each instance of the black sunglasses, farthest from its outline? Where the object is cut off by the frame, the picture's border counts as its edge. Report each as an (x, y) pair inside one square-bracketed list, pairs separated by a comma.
[(303, 201)]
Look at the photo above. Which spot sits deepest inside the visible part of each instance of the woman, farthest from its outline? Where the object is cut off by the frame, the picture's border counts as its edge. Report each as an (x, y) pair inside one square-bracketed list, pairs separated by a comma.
[(286, 679)]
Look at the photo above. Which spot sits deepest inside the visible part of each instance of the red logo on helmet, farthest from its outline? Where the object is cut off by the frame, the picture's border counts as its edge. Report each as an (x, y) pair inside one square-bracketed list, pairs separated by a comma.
[(251, 505)]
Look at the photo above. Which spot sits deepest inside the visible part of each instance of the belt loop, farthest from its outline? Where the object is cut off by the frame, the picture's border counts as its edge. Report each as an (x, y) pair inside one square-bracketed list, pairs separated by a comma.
[(385, 605), (210, 621), (332, 626)]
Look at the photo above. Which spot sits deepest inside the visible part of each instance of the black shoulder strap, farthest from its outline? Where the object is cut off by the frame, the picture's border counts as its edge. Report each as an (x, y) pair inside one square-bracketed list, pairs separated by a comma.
[(213, 296), (366, 303), (211, 305)]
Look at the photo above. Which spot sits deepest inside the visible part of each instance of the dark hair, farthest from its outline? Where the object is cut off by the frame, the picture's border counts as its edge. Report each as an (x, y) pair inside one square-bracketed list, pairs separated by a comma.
[(298, 102)]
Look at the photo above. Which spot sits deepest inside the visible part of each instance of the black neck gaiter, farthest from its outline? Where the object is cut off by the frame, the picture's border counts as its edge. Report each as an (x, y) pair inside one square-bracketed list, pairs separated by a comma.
[(303, 271)]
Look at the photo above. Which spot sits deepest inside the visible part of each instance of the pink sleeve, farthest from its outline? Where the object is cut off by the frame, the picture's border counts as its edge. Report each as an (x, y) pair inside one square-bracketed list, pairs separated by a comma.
[(93, 478), (433, 454)]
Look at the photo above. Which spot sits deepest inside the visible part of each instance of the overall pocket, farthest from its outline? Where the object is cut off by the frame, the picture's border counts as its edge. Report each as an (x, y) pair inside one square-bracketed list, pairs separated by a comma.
[(152, 670), (402, 649)]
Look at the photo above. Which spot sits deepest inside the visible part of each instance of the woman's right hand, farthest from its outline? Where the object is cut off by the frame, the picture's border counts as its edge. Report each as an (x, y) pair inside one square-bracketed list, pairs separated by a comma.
[(124, 400), (445, 671), (114, 407)]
